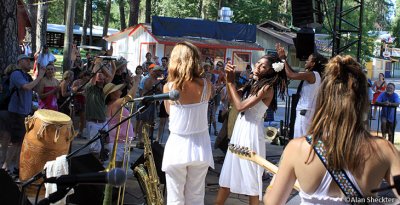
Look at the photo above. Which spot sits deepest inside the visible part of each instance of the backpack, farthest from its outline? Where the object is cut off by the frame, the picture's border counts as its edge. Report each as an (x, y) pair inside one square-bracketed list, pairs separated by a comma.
[(7, 93)]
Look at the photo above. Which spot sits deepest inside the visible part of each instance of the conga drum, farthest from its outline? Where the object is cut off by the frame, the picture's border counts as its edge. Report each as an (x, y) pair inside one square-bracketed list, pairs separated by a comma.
[(48, 135)]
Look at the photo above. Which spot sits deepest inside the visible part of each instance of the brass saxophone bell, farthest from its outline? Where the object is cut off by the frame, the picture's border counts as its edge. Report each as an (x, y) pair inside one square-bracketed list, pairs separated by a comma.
[(271, 133)]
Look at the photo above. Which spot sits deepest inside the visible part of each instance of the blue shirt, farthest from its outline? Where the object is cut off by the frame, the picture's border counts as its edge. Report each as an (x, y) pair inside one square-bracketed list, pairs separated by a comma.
[(388, 112), (21, 100)]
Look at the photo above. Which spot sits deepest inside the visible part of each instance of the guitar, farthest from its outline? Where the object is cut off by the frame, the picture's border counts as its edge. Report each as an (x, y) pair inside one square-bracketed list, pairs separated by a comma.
[(246, 153)]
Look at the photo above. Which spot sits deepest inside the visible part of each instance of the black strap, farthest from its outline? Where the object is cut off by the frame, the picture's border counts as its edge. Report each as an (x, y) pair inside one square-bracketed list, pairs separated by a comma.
[(300, 87)]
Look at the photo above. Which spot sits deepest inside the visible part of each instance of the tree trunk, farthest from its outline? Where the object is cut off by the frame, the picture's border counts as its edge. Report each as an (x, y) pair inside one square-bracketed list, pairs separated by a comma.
[(8, 34), (41, 26), (65, 11), (148, 11), (106, 21), (86, 11), (133, 12), (90, 23), (201, 7), (32, 15), (122, 14), (69, 38)]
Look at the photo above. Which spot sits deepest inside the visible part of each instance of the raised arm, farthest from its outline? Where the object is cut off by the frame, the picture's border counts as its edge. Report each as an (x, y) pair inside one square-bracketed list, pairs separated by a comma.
[(240, 105), (290, 73)]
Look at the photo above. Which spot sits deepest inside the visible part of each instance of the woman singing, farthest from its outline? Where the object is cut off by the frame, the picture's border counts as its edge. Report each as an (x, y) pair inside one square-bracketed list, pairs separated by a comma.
[(187, 154)]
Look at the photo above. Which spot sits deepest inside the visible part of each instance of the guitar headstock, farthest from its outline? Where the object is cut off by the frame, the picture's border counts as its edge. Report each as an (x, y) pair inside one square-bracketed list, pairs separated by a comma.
[(242, 151)]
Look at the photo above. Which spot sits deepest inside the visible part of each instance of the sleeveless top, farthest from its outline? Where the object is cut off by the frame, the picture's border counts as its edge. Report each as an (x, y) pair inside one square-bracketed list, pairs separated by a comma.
[(189, 140), (320, 196), (309, 93), (50, 101), (182, 116)]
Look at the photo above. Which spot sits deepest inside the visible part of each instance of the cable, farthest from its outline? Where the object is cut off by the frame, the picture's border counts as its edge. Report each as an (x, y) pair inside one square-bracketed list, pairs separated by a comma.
[(38, 191)]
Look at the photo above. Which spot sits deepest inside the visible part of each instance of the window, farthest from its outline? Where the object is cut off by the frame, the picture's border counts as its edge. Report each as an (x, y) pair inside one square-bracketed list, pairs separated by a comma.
[(217, 54)]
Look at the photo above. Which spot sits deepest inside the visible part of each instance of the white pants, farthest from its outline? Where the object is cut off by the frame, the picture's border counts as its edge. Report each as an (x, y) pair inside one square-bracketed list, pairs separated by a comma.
[(93, 130), (302, 124), (186, 183)]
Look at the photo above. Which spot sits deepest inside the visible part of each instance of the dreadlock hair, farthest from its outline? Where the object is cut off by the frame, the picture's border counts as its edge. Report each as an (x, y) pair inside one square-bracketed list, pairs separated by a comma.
[(277, 80), (319, 63)]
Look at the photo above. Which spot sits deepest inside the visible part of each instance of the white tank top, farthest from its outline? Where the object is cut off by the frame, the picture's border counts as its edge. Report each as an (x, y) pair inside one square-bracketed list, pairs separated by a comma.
[(181, 117), (308, 94)]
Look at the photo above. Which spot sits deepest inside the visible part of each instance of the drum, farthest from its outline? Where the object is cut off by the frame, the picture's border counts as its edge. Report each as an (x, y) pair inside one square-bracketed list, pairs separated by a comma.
[(48, 135)]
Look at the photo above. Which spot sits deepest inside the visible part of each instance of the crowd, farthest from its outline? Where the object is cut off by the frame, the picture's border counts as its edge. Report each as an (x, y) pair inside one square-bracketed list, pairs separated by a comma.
[(331, 116)]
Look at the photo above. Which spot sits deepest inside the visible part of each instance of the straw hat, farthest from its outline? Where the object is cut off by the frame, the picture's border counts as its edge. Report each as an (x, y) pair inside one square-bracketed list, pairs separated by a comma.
[(111, 87), (121, 62)]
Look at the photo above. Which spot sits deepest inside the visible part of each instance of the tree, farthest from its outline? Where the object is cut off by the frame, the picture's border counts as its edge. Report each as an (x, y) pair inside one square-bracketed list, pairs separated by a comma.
[(86, 19), (133, 12), (148, 11), (121, 4), (32, 13), (68, 37), (8, 33), (106, 20), (41, 26)]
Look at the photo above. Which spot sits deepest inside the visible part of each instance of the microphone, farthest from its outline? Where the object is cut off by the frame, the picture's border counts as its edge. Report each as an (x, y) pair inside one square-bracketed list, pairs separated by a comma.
[(172, 95), (108, 58), (396, 180), (115, 177)]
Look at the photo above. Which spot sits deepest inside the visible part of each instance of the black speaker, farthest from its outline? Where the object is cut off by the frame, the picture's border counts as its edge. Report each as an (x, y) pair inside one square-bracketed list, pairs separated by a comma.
[(9, 191), (306, 13), (86, 194), (158, 154), (304, 43)]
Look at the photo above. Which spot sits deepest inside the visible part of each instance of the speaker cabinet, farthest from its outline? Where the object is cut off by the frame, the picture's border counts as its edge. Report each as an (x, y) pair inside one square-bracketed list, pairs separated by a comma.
[(83, 193), (307, 13), (9, 191), (304, 43)]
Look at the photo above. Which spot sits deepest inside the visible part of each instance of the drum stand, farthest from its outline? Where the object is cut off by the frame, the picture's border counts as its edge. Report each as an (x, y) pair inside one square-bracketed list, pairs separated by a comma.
[(100, 134)]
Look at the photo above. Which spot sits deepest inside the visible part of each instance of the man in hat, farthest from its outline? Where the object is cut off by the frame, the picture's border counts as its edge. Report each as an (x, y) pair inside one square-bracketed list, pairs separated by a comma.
[(45, 57), (95, 103), (151, 86), (20, 106)]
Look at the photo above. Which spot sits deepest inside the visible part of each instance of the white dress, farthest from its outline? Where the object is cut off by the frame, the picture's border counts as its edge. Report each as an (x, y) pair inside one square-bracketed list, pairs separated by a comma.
[(189, 140), (240, 175)]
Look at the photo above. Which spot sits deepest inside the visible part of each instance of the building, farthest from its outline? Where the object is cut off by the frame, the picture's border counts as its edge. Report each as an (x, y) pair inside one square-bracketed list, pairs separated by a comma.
[(55, 35), (218, 40)]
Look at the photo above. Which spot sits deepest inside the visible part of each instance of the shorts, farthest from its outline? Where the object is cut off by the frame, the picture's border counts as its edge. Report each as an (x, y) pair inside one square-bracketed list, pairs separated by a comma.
[(13, 123), (163, 113)]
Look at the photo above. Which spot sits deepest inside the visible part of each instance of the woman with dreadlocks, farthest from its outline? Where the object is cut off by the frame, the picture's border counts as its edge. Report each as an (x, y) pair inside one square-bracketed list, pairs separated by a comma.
[(239, 175), (308, 88)]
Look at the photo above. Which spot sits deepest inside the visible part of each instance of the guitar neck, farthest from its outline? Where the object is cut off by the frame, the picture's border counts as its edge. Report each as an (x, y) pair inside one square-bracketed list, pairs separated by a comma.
[(272, 168)]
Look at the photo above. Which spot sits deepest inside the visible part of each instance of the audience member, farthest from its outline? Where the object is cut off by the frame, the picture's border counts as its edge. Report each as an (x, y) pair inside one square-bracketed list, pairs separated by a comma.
[(45, 57), (390, 101), (48, 89), (378, 87)]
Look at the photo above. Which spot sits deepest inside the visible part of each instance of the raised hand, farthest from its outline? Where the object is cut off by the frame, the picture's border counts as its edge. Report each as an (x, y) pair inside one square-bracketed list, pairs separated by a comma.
[(230, 72), (280, 51)]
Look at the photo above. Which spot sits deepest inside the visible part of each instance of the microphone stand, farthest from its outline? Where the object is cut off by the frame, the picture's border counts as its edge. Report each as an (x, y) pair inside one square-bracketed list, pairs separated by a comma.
[(101, 133)]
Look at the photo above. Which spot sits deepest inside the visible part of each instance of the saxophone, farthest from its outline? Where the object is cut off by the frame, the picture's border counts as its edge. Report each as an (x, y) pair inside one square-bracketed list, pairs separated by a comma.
[(147, 173)]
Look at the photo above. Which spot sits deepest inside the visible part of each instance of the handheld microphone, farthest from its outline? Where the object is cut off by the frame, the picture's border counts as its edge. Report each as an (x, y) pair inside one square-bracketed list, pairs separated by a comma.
[(396, 180), (115, 177), (172, 95), (114, 58)]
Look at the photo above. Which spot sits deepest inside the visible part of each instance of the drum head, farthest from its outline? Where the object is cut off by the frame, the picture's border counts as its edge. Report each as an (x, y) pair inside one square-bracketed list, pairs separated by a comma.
[(51, 116)]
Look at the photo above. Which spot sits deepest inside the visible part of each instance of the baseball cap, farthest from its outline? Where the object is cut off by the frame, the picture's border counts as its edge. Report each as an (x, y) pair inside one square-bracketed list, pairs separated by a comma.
[(23, 56), (157, 67), (151, 66)]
